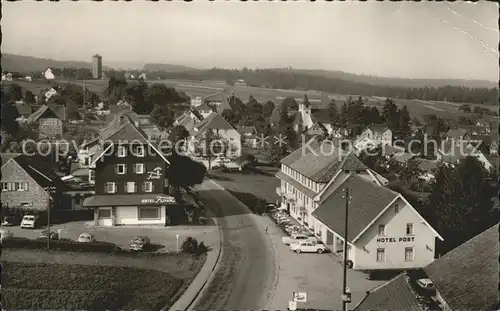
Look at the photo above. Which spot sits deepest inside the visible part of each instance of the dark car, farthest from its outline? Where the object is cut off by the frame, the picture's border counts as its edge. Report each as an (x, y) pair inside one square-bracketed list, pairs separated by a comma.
[(140, 243), (45, 235)]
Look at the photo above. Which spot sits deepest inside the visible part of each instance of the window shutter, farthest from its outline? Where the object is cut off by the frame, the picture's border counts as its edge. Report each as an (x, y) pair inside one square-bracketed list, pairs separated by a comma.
[(116, 169), (134, 168), (143, 187), (135, 187), (152, 187)]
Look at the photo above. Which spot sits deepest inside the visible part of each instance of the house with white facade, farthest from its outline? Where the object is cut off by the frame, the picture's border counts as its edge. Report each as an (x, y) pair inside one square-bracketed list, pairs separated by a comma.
[(384, 231), (204, 110), (452, 154), (48, 74), (309, 173), (220, 128), (374, 135), (7, 76), (196, 101)]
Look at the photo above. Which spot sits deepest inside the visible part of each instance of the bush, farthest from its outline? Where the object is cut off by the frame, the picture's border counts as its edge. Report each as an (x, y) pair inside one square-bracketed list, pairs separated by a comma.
[(191, 246), (62, 245)]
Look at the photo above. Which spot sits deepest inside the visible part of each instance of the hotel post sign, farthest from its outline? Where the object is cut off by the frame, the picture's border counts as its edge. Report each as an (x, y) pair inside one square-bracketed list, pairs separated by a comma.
[(396, 240)]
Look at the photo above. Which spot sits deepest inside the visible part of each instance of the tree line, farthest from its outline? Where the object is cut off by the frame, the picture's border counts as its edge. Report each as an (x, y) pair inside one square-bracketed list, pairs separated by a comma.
[(278, 79)]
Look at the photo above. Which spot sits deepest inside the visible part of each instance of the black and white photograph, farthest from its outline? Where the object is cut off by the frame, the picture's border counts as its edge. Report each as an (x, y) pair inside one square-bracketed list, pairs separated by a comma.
[(250, 155)]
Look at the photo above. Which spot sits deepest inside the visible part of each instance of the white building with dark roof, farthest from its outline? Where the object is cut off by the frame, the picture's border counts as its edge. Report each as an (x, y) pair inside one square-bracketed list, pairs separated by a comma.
[(374, 135)]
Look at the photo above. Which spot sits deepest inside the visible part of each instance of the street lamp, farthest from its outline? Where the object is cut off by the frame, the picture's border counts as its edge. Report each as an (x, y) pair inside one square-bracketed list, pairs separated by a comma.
[(51, 190), (177, 239)]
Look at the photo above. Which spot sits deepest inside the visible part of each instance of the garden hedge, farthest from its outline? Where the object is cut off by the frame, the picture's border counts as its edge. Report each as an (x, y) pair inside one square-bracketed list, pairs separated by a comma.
[(62, 245)]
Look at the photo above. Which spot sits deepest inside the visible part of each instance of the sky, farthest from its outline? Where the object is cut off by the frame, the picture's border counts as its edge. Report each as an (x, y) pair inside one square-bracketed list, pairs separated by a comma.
[(405, 39)]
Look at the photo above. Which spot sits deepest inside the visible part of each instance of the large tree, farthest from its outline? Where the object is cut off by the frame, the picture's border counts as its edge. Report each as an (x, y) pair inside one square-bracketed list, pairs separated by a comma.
[(177, 137), (183, 172), (460, 202), (333, 112), (390, 114), (268, 108), (404, 121), (9, 114), (162, 116)]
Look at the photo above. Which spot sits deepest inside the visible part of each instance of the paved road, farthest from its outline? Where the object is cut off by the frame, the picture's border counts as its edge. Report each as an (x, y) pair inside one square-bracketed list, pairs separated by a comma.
[(247, 273)]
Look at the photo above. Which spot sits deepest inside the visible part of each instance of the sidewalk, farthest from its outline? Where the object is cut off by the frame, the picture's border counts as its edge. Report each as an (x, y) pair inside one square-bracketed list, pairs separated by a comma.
[(195, 288)]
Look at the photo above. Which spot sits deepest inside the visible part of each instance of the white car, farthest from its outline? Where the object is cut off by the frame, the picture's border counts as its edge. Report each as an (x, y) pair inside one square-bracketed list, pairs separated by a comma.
[(29, 221), (295, 238), (86, 238), (307, 247), (426, 284)]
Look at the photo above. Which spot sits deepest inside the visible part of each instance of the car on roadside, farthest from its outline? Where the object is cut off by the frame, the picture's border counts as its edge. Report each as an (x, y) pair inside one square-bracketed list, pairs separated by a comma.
[(29, 221), (8, 221), (294, 238), (140, 243), (45, 235), (86, 238), (6, 235), (426, 284), (307, 247)]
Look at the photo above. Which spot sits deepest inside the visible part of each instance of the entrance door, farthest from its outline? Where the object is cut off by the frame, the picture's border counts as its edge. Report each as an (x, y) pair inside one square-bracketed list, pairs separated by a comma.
[(104, 217), (329, 238)]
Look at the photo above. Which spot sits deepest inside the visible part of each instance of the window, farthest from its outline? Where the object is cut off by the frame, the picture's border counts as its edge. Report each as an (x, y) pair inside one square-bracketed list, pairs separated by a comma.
[(147, 186), (139, 168), (380, 254), (381, 230), (130, 187), (396, 208), (86, 161), (409, 229), (23, 186), (408, 253), (110, 187), (139, 151), (149, 213), (5, 186), (104, 213), (122, 151), (91, 176), (121, 169)]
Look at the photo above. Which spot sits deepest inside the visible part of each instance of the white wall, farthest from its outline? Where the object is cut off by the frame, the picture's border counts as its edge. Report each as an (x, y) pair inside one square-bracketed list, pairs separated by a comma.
[(395, 227), (128, 215)]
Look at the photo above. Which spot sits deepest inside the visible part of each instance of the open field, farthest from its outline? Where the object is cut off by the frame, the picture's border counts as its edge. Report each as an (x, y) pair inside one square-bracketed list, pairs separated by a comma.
[(43, 285), (252, 183), (319, 100)]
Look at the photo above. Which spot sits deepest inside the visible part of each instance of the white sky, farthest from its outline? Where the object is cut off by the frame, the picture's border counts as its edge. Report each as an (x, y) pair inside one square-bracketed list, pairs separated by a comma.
[(378, 38)]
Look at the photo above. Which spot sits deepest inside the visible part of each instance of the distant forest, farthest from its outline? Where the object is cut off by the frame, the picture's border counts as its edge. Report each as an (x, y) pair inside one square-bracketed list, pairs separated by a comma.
[(279, 79)]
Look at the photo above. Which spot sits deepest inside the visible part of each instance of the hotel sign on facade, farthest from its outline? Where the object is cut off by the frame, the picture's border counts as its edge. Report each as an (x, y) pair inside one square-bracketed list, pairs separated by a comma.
[(394, 240), (159, 200)]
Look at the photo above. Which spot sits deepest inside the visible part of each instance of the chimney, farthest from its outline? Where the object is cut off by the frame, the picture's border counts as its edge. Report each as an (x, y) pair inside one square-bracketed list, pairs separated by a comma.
[(122, 119)]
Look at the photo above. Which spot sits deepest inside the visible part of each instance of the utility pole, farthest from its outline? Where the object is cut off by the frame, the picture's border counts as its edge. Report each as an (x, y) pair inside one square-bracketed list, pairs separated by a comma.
[(346, 297)]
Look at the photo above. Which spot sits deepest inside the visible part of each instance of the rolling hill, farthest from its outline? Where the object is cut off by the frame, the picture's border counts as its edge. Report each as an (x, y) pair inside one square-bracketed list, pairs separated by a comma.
[(396, 82), (19, 63)]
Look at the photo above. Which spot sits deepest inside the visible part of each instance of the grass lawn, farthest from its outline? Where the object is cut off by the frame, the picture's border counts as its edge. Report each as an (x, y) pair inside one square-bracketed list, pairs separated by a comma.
[(256, 184), (44, 286)]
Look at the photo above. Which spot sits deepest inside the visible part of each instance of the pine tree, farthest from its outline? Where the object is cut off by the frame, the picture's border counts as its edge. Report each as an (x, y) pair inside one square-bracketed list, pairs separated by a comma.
[(333, 112), (404, 120)]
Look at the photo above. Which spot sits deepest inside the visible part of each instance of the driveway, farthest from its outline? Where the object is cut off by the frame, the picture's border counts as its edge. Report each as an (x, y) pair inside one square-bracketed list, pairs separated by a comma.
[(320, 276), (247, 270), (163, 237)]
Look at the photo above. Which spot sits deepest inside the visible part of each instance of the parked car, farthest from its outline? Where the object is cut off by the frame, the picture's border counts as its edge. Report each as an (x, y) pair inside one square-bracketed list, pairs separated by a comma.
[(140, 243), (8, 221), (86, 238), (45, 235), (29, 221), (295, 238), (307, 247), (426, 284), (6, 235)]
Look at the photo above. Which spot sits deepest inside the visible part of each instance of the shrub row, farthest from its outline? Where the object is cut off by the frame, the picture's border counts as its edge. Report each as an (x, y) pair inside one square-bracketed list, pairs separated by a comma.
[(62, 245), (255, 204)]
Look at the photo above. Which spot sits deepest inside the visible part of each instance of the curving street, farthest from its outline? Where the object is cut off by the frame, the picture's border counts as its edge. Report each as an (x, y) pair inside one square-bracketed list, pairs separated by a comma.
[(247, 273)]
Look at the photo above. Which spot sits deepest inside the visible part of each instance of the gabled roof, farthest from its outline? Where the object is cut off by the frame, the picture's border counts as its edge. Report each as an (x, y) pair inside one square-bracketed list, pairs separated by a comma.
[(40, 112), (467, 277), (377, 128), (197, 114), (321, 165), (40, 169), (213, 121), (368, 201), (453, 152), (124, 131), (396, 294)]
